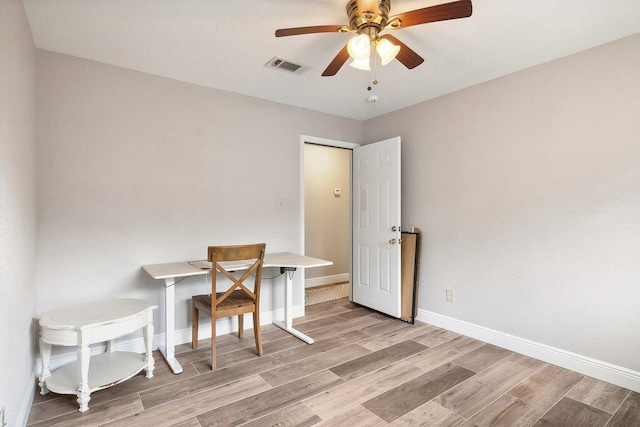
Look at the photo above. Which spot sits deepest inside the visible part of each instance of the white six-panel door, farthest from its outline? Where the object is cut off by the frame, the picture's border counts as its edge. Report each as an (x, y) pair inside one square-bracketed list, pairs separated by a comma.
[(376, 226)]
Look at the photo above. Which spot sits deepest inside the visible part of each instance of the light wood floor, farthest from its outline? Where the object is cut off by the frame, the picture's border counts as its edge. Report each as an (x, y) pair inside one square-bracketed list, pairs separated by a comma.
[(365, 369)]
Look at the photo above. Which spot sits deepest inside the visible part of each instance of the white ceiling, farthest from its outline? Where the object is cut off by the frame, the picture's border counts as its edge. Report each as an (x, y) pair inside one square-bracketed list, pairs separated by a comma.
[(225, 44)]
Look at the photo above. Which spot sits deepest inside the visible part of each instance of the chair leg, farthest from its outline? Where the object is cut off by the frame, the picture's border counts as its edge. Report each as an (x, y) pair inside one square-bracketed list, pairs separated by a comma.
[(194, 327), (213, 342), (256, 332), (240, 326)]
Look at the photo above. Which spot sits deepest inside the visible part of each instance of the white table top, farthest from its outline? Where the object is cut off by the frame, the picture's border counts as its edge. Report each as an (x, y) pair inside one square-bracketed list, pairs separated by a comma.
[(279, 259), (287, 259), (173, 269), (86, 314)]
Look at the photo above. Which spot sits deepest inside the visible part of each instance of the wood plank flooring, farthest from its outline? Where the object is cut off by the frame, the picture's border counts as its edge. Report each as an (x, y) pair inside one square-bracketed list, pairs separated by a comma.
[(365, 369)]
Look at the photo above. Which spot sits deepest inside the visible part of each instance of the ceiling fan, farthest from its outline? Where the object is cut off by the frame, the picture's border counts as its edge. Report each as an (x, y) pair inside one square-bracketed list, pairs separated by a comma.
[(367, 19)]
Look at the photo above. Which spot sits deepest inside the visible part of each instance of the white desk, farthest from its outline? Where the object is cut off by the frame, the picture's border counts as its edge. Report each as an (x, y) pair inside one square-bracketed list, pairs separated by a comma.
[(287, 262)]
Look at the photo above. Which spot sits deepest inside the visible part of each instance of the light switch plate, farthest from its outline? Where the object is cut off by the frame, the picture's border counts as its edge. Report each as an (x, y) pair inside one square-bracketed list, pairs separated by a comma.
[(451, 296)]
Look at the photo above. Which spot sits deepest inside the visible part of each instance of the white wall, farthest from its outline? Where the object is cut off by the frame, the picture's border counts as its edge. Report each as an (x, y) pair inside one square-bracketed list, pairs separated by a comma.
[(327, 217), (17, 212), (135, 169), (527, 189)]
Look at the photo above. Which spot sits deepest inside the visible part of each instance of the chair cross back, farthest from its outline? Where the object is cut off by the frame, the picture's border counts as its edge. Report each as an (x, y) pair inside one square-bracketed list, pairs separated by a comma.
[(237, 283)]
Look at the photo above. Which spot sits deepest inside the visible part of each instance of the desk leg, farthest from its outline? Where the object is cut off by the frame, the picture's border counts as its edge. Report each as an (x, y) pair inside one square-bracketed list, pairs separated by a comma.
[(287, 324), (168, 352)]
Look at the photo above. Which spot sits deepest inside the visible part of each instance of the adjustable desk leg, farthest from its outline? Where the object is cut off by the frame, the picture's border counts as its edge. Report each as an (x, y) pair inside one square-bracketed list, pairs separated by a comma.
[(287, 324), (168, 352)]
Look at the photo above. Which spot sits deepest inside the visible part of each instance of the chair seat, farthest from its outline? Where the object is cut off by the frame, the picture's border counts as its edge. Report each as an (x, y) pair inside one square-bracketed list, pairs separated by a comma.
[(237, 301)]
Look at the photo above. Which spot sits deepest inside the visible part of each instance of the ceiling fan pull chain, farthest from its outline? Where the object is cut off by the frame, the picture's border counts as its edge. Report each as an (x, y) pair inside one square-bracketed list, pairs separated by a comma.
[(374, 71)]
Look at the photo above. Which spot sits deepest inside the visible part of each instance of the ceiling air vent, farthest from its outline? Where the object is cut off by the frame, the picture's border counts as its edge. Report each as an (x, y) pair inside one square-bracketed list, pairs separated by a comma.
[(284, 65)]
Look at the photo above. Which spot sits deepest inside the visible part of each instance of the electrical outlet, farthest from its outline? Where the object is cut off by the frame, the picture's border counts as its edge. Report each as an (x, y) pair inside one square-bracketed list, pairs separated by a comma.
[(451, 297)]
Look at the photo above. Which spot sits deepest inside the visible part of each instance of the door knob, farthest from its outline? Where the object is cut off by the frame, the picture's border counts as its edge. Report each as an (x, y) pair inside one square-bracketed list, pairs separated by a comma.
[(394, 228), (393, 241)]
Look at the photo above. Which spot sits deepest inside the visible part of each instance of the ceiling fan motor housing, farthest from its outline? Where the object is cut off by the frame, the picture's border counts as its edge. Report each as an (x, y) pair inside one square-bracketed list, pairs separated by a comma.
[(361, 25)]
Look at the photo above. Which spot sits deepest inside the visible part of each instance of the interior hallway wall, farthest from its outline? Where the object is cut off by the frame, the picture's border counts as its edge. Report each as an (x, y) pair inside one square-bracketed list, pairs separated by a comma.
[(17, 212), (527, 189), (327, 216)]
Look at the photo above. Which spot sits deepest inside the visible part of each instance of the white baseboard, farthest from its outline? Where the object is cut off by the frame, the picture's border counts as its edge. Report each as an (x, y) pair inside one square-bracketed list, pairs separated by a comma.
[(604, 371), (25, 409), (326, 280), (135, 341)]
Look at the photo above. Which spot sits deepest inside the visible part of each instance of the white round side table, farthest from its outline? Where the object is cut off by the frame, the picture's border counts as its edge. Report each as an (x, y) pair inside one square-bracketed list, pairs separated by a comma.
[(84, 324)]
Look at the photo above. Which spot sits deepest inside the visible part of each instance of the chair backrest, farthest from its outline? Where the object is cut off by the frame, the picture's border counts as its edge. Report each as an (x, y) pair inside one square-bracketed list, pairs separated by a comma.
[(254, 254)]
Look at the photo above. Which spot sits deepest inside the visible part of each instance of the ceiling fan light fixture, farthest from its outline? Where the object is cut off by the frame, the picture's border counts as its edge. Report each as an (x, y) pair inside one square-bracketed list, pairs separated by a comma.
[(359, 47), (386, 50), (361, 64)]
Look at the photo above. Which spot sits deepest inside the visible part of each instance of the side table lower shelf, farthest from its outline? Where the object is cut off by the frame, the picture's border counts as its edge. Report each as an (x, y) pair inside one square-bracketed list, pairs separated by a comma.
[(105, 370)]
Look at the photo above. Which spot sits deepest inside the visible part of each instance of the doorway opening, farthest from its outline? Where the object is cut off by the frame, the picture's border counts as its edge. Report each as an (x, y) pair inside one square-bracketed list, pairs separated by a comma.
[(326, 217)]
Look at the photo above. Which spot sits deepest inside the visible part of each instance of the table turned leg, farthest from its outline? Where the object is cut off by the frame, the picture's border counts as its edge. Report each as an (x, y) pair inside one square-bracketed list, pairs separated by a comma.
[(148, 342), (45, 355), (84, 393)]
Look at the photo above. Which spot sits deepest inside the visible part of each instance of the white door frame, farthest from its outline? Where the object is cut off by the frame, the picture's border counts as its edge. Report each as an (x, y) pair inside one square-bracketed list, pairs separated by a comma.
[(329, 143)]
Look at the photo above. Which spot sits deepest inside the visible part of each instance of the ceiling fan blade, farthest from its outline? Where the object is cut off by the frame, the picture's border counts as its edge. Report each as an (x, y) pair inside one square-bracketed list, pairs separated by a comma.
[(308, 30), (406, 56), (337, 63), (368, 7), (441, 12)]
